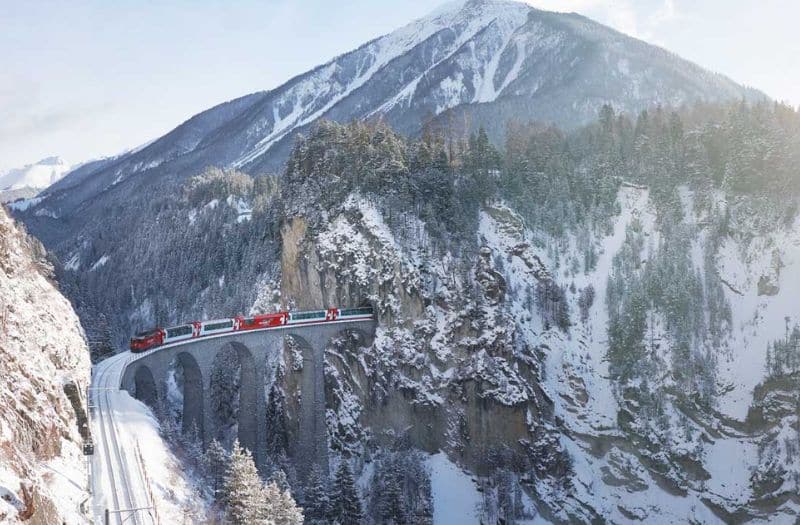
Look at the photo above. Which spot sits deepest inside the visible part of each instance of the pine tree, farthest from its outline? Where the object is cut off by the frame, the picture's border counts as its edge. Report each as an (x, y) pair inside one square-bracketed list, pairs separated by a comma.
[(505, 501), (317, 503), (392, 507), (193, 445), (345, 503), (105, 344), (243, 491), (280, 478), (279, 506), (216, 463), (166, 421), (770, 361)]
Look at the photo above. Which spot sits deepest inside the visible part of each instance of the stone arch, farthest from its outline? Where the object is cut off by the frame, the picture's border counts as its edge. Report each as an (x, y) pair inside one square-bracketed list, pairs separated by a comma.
[(192, 382), (144, 386), (234, 393)]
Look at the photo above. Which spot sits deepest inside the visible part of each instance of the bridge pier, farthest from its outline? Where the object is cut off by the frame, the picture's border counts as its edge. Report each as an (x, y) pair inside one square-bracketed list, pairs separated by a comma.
[(253, 411)]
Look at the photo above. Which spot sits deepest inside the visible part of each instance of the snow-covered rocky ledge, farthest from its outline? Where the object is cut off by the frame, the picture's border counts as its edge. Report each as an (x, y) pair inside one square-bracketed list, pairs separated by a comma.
[(43, 474)]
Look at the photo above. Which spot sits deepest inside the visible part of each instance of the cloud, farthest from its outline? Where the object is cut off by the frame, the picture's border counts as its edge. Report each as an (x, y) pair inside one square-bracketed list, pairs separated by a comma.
[(25, 113), (619, 14), (641, 19), (30, 130), (31, 125)]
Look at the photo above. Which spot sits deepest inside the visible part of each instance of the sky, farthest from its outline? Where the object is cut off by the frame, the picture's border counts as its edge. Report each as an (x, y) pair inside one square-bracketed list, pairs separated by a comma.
[(84, 79)]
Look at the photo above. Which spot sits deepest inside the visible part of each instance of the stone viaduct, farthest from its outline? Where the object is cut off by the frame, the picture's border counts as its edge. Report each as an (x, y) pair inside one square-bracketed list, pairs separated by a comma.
[(259, 351)]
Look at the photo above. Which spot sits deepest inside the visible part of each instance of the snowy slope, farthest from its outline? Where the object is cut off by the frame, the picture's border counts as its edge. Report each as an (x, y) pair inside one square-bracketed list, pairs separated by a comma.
[(724, 444), (466, 22)]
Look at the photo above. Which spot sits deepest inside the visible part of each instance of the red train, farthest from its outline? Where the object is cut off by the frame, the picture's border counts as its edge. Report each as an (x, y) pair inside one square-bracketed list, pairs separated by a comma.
[(164, 336)]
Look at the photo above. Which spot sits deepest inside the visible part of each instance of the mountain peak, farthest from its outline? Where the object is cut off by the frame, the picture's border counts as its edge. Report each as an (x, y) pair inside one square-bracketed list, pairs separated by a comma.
[(52, 161)]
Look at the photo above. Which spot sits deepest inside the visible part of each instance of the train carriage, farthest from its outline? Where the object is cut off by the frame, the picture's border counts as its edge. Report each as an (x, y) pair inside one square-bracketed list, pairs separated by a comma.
[(261, 321), (161, 336), (217, 326), (182, 332)]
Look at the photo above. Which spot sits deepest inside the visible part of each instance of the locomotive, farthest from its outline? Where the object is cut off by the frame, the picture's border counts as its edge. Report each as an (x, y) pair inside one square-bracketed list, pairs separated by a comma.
[(156, 337)]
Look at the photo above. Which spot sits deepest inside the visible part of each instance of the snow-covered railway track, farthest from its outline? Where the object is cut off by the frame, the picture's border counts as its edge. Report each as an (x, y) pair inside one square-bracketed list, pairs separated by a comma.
[(105, 448), (117, 471), (120, 489)]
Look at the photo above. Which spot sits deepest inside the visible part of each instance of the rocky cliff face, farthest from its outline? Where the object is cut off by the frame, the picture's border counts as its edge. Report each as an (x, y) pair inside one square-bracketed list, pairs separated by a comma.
[(42, 349), (636, 368), (488, 379), (447, 368)]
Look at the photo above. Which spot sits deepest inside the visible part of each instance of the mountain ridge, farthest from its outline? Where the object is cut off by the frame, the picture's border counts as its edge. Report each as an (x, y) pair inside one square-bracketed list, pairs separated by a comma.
[(554, 67)]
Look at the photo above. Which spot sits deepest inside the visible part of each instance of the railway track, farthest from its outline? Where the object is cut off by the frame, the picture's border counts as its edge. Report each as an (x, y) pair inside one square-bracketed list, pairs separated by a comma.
[(117, 466)]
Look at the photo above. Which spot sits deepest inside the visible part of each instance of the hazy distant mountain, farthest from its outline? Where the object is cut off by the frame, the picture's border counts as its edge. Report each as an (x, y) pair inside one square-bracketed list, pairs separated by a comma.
[(26, 182), (36, 176)]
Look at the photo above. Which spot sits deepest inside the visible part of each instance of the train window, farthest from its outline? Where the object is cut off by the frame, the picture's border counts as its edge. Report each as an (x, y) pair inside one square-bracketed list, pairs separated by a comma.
[(218, 326), (357, 311), (309, 315), (179, 331)]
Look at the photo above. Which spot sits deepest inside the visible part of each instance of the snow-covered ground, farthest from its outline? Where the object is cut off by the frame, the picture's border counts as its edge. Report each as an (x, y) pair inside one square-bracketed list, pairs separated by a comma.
[(455, 496), (133, 466)]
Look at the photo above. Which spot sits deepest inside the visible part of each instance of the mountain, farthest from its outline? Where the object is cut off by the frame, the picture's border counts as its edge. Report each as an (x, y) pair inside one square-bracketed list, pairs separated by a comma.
[(25, 183), (35, 176), (44, 367), (463, 63), (601, 322)]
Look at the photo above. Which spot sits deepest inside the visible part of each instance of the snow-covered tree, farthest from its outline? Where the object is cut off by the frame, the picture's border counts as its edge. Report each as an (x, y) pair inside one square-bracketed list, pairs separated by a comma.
[(192, 443), (280, 478), (279, 506), (345, 503), (316, 499), (216, 464), (243, 490), (392, 509)]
